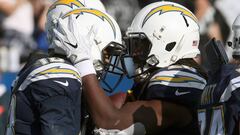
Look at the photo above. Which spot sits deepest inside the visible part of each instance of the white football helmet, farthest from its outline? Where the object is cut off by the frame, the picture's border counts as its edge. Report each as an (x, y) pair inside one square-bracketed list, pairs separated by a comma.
[(107, 29), (162, 33), (60, 7), (107, 49)]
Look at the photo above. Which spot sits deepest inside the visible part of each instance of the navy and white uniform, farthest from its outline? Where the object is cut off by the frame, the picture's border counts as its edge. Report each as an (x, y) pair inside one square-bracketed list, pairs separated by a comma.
[(46, 99), (219, 110), (178, 84)]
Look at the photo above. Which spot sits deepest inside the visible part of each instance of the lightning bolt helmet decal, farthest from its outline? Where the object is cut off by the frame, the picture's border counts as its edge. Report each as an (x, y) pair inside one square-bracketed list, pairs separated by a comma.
[(95, 12), (68, 3), (169, 8)]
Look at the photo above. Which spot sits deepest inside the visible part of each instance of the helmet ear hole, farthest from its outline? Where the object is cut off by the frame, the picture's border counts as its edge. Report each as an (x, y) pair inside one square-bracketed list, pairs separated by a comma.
[(170, 46)]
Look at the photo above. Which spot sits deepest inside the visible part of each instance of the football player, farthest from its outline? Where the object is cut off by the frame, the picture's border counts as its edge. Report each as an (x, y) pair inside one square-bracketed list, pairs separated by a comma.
[(46, 98), (163, 43), (219, 108), (110, 81), (163, 35)]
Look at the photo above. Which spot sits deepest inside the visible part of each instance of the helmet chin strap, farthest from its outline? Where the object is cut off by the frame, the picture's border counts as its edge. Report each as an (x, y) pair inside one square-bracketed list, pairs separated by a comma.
[(57, 50), (142, 75), (152, 61)]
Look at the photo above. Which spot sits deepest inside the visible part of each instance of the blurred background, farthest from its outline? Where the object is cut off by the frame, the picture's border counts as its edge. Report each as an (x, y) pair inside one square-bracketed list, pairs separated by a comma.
[(22, 30)]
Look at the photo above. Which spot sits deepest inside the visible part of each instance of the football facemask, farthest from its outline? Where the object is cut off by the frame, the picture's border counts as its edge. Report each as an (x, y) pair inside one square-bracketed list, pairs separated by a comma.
[(138, 61), (112, 76)]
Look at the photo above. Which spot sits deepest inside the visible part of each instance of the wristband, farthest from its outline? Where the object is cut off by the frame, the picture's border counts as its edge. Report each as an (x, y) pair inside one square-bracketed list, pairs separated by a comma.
[(85, 68)]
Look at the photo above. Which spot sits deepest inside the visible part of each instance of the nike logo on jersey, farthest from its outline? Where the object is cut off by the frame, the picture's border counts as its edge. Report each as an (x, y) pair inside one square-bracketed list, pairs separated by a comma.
[(63, 83), (178, 93), (72, 45)]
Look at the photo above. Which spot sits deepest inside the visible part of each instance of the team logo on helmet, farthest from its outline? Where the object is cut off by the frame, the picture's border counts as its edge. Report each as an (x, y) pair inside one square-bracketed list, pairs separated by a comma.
[(95, 12), (169, 8), (68, 3)]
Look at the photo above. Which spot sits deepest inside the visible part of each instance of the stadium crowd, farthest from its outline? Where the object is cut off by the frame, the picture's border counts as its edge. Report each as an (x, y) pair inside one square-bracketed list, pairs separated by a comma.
[(22, 31)]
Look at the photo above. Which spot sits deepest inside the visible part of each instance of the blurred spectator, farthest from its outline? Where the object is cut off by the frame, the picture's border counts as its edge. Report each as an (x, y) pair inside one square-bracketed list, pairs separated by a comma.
[(40, 10), (230, 9), (18, 28), (1, 19), (212, 24), (123, 11)]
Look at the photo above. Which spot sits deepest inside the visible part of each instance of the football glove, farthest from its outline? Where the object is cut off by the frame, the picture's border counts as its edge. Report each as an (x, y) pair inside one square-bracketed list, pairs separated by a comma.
[(76, 46)]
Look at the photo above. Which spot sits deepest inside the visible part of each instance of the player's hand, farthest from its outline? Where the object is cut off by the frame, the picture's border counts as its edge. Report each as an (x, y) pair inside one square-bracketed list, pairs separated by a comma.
[(76, 46)]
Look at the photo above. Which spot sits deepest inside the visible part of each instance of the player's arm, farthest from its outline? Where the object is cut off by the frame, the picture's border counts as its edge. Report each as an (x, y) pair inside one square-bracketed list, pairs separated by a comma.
[(154, 115), (104, 113)]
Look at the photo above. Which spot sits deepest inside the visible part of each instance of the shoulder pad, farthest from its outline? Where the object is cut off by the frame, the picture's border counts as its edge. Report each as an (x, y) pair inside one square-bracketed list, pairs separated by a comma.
[(179, 77), (49, 68)]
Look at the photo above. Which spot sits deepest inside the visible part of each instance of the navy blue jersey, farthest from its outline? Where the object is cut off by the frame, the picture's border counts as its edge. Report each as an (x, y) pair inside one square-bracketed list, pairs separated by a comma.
[(46, 99), (181, 85), (178, 84), (219, 109)]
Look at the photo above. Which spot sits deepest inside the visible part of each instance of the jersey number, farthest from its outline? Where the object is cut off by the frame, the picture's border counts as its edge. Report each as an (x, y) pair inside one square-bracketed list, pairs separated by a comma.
[(216, 126)]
